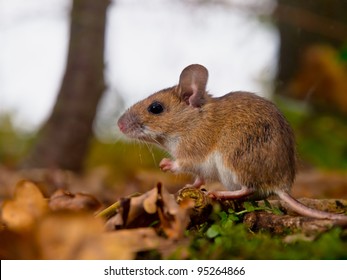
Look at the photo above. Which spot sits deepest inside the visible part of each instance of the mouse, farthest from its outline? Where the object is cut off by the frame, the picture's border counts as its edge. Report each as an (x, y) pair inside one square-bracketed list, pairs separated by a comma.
[(241, 140)]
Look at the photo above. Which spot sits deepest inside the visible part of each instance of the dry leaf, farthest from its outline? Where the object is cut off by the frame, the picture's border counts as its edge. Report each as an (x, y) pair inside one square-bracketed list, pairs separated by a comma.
[(68, 235), (17, 245), (64, 200), (137, 240), (134, 212), (80, 236), (140, 211), (174, 218), (156, 204), (149, 202), (28, 204)]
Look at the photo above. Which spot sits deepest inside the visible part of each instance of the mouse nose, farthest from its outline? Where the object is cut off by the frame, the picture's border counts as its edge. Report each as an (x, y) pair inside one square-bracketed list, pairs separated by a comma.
[(121, 125)]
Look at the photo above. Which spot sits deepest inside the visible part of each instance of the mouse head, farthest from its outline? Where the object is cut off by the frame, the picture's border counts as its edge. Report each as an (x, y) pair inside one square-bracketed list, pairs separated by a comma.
[(164, 116)]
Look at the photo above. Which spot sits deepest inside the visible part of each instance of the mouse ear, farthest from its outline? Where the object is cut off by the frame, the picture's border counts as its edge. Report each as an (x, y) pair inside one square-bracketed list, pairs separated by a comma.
[(193, 80)]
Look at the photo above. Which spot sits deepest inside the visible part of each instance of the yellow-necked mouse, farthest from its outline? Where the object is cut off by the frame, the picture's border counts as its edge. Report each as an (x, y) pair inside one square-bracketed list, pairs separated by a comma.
[(240, 139)]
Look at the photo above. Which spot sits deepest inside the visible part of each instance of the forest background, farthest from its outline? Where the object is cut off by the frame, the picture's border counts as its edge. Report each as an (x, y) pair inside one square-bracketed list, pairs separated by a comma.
[(68, 70)]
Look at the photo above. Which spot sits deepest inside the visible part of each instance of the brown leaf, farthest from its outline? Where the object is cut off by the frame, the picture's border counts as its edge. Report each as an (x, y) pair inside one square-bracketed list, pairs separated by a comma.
[(67, 235), (149, 201), (137, 240), (134, 212), (27, 206), (156, 204), (174, 217), (17, 245), (80, 236), (64, 200), (140, 210)]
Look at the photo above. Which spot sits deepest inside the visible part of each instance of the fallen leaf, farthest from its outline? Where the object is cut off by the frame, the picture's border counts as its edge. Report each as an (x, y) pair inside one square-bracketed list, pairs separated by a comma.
[(78, 235), (17, 245), (27, 206), (134, 212), (155, 205), (137, 240), (149, 201), (68, 235), (65, 200), (174, 217)]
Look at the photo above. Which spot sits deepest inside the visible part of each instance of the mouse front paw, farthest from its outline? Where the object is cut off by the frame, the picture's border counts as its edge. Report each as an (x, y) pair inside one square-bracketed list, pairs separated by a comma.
[(167, 164)]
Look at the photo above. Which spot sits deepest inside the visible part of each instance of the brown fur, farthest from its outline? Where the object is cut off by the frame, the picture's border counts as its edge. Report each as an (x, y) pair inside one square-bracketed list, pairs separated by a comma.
[(247, 128), (239, 139)]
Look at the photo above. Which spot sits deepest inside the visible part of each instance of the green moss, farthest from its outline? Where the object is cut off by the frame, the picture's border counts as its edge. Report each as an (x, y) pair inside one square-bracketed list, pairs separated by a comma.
[(223, 239)]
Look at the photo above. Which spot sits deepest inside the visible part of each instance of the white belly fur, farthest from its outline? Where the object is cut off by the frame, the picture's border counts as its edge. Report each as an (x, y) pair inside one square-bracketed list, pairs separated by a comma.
[(213, 169)]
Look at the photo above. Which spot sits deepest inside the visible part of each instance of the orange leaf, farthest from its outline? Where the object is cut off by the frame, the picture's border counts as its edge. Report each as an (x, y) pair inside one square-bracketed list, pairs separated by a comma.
[(28, 204)]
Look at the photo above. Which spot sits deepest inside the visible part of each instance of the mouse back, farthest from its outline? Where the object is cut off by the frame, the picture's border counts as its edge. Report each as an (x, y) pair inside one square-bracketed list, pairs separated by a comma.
[(258, 144)]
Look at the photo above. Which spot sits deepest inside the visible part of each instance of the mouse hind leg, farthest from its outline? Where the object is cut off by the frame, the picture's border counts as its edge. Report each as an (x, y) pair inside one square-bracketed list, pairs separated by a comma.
[(237, 194), (235, 189)]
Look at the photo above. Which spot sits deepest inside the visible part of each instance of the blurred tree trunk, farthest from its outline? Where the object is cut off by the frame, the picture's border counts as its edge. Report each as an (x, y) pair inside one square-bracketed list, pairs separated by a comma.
[(302, 24), (63, 140)]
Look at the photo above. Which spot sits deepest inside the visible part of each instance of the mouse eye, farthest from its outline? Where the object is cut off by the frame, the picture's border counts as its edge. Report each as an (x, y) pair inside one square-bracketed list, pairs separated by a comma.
[(155, 108)]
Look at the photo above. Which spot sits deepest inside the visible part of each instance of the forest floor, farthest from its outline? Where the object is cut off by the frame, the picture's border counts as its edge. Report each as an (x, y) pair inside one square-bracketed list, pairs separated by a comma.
[(54, 214)]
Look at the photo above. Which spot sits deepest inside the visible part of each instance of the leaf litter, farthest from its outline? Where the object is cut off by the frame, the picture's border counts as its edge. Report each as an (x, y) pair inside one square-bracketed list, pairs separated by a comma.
[(67, 226), (44, 220)]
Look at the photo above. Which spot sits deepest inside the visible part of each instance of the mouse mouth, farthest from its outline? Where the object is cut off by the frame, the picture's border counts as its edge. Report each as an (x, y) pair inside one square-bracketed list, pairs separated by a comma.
[(135, 130), (138, 131), (147, 135)]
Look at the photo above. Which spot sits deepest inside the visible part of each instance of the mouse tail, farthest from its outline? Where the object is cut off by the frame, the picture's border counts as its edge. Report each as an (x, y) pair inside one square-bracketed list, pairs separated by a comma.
[(303, 210)]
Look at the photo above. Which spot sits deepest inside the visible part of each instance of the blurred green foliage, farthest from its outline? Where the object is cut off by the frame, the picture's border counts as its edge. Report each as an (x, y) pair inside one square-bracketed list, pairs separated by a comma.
[(14, 144), (321, 136), (124, 157)]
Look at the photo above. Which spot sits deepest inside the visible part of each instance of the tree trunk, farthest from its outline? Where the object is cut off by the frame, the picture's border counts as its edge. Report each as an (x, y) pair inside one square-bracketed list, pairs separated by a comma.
[(63, 140)]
